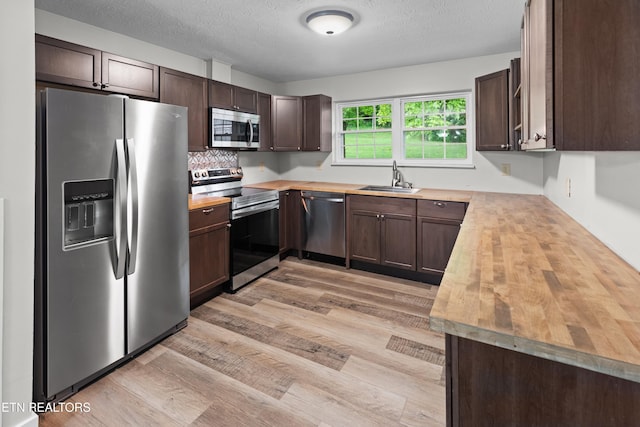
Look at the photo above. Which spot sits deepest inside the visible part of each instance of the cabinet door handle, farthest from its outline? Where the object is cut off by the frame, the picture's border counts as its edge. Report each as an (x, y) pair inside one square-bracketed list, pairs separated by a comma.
[(382, 216), (207, 211), (440, 204), (378, 216), (505, 146), (105, 85), (96, 84), (229, 225), (538, 137)]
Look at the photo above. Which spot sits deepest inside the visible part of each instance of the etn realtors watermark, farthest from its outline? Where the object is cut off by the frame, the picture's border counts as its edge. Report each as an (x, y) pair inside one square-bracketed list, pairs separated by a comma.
[(6, 407)]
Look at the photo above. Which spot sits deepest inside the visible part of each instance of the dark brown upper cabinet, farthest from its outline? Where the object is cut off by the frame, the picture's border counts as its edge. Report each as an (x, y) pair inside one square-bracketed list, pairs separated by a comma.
[(286, 122), (515, 105), (301, 123), (69, 64), (492, 111), (596, 68), (189, 91), (230, 97), (580, 75), (316, 123), (264, 110)]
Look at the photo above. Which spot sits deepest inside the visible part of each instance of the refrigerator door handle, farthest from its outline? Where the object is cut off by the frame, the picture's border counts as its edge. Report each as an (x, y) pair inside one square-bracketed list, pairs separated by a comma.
[(132, 215), (121, 209)]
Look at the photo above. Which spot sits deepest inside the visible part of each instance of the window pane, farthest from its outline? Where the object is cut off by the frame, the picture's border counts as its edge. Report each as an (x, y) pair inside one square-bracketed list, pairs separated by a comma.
[(365, 124), (350, 139), (382, 138), (365, 111), (349, 112), (433, 121), (413, 108), (456, 120), (431, 107), (349, 125), (413, 137), (458, 105), (383, 151), (434, 136), (383, 110), (434, 150), (383, 123), (412, 122), (413, 151), (457, 135), (456, 151)]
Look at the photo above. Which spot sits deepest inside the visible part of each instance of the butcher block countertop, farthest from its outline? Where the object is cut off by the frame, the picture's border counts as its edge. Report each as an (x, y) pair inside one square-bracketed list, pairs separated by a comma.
[(429, 194), (201, 201), (526, 277)]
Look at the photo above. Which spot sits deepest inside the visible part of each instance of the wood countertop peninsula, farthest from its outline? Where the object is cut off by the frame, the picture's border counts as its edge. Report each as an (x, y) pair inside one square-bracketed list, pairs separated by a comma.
[(526, 277)]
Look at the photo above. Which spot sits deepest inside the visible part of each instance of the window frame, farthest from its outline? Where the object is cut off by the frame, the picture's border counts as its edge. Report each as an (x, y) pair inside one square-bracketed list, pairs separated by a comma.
[(397, 132)]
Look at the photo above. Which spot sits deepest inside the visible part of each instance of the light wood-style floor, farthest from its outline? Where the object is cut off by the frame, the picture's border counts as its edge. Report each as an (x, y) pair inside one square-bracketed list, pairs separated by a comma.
[(309, 344)]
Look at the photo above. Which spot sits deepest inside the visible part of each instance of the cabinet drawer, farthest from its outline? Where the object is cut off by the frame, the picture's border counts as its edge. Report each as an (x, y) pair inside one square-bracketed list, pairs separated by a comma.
[(393, 205), (441, 209), (199, 218)]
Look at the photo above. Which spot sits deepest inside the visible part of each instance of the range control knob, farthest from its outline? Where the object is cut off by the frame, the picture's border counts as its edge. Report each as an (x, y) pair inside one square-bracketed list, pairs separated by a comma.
[(196, 174)]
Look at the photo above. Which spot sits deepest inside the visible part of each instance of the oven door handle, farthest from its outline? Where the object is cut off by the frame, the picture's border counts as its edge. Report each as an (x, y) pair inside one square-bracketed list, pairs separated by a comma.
[(255, 209)]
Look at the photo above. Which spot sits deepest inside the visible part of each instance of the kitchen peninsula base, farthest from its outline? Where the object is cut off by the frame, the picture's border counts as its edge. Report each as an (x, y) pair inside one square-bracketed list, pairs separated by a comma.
[(488, 385)]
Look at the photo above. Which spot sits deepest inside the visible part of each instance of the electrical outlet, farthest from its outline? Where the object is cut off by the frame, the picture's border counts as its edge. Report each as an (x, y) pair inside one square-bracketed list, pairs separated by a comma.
[(506, 169), (568, 187), (261, 166)]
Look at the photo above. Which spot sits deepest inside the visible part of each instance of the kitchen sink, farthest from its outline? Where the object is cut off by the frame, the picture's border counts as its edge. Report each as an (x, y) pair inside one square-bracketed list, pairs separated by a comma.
[(389, 189)]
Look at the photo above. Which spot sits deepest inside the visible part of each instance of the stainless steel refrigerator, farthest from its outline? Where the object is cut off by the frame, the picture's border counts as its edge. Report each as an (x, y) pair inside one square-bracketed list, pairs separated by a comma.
[(112, 260)]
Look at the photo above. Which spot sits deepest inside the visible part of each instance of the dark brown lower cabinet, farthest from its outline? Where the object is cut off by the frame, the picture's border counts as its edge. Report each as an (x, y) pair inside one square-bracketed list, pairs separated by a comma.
[(208, 252), (382, 230), (488, 385), (438, 228)]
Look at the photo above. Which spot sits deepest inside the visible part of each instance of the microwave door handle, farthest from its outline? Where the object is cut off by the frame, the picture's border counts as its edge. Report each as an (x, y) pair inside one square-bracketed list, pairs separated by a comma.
[(250, 140), (120, 222), (133, 214)]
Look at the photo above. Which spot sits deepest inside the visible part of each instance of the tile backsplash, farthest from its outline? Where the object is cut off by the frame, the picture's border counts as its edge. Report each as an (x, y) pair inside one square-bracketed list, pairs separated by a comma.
[(212, 159)]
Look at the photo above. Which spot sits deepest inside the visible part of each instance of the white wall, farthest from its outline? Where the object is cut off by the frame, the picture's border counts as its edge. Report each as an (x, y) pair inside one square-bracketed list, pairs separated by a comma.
[(605, 195), (526, 168), (17, 170)]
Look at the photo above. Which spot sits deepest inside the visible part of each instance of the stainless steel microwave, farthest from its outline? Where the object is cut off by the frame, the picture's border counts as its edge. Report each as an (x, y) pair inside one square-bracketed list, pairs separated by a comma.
[(234, 129)]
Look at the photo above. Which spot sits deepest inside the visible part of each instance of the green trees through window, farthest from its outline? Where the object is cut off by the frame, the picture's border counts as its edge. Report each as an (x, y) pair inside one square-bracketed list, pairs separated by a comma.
[(367, 131), (435, 129), (421, 130)]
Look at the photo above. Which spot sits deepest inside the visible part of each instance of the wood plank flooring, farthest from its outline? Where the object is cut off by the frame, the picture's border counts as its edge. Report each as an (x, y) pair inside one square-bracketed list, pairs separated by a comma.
[(309, 344)]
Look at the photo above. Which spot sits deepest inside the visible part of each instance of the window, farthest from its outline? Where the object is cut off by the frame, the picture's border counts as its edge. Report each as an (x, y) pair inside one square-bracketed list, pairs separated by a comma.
[(429, 130)]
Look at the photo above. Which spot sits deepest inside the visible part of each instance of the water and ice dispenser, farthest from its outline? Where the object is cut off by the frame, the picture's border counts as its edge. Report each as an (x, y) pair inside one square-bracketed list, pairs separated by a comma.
[(88, 212)]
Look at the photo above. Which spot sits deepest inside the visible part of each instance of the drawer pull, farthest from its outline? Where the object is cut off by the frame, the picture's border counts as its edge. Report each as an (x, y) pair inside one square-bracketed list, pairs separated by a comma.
[(440, 204), (207, 211)]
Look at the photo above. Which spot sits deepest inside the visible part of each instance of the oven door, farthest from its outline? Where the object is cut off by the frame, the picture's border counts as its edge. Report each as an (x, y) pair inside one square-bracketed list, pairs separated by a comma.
[(254, 242)]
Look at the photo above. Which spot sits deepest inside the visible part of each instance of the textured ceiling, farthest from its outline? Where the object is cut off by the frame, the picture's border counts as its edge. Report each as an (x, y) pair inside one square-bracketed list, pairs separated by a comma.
[(268, 38)]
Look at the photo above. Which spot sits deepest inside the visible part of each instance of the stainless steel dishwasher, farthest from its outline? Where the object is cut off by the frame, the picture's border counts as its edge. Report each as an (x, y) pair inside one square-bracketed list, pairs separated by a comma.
[(323, 225)]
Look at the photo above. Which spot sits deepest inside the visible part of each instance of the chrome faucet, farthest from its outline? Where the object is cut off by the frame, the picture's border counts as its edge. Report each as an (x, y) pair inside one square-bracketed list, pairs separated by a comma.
[(397, 178)]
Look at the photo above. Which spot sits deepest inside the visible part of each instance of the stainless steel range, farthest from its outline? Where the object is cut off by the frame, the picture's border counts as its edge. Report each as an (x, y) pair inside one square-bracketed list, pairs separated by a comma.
[(254, 221)]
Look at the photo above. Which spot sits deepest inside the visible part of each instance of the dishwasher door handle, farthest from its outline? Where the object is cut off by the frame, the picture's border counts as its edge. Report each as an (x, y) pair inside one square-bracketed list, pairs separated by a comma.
[(325, 199)]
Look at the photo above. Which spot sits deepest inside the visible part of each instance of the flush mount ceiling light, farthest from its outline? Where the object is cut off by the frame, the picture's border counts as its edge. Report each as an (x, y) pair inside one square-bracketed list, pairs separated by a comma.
[(330, 22)]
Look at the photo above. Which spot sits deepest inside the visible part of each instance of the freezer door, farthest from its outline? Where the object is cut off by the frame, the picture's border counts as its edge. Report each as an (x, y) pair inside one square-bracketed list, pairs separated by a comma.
[(158, 281), (83, 323)]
